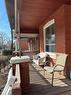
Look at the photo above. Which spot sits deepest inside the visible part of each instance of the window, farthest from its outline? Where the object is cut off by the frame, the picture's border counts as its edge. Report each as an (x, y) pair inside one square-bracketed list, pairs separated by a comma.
[(49, 36)]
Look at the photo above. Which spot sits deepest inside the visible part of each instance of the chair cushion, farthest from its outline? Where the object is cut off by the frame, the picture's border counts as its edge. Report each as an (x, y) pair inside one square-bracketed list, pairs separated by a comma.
[(36, 57), (42, 54), (59, 68), (50, 69)]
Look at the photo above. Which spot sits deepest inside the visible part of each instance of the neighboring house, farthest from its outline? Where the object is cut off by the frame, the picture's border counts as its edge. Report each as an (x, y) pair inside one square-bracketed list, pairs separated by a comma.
[(45, 25)]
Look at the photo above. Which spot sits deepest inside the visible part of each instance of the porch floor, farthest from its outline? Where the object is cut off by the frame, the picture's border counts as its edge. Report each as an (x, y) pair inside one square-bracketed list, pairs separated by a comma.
[(40, 85)]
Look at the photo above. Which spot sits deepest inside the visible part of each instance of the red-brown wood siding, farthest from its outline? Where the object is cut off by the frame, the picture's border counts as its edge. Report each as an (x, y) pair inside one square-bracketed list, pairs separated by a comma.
[(68, 34), (59, 30), (24, 45), (41, 40), (63, 32)]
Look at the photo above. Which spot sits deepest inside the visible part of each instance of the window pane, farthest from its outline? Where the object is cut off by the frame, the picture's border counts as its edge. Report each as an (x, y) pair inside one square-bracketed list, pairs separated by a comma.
[(50, 38), (47, 47), (50, 48)]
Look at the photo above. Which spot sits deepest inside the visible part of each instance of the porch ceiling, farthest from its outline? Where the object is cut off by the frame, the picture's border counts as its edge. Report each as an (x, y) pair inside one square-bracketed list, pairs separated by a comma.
[(34, 12)]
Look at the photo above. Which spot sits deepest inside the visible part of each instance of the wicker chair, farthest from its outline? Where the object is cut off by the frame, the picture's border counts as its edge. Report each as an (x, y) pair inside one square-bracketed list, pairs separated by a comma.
[(58, 66)]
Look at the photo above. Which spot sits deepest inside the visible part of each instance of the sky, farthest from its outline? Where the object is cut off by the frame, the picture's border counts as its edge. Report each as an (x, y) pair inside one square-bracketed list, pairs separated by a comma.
[(4, 22)]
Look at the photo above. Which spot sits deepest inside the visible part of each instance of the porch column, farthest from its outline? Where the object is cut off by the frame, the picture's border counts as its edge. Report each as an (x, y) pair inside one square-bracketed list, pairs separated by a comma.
[(23, 62)]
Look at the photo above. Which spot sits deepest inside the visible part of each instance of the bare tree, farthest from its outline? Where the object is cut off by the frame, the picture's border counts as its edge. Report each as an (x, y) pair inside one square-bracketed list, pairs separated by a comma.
[(1, 41)]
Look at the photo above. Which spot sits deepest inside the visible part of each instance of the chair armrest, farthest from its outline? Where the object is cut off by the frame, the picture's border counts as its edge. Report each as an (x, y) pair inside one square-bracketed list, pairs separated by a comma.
[(46, 63), (56, 66)]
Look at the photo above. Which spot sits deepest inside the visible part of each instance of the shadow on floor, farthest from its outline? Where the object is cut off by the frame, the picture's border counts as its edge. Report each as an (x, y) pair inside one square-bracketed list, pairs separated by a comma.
[(37, 89), (40, 86)]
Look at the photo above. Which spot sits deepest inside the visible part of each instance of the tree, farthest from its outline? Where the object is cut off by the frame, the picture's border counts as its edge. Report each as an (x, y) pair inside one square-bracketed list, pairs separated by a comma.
[(1, 41)]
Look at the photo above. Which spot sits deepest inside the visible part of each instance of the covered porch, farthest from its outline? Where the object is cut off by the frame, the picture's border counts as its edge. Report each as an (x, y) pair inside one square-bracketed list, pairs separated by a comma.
[(31, 21), (42, 86)]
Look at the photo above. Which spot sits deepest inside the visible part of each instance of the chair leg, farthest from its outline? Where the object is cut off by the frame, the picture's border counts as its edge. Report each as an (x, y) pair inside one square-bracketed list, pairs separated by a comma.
[(52, 78), (44, 72)]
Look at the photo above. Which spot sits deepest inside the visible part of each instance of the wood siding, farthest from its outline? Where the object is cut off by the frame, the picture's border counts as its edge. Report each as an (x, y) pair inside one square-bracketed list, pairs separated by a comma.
[(62, 31)]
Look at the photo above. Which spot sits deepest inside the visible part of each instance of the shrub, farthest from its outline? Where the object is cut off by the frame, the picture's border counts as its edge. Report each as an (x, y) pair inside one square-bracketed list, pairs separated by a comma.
[(7, 52)]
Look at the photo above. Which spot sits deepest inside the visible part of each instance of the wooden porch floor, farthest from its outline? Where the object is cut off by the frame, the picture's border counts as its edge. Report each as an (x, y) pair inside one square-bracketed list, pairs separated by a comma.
[(42, 86)]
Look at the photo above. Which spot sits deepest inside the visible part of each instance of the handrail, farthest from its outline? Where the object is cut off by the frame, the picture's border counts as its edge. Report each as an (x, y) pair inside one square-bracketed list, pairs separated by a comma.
[(17, 73), (16, 90)]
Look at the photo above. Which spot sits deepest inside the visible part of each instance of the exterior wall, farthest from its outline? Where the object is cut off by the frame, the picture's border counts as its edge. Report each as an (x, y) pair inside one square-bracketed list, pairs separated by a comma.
[(29, 44), (41, 40), (24, 44), (60, 29), (68, 34), (59, 32), (62, 18)]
